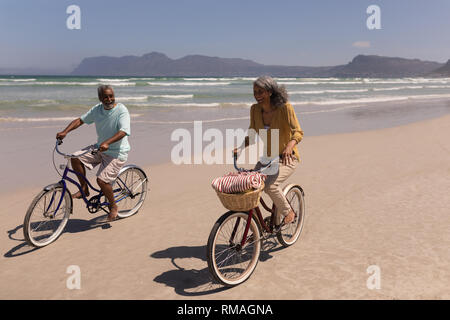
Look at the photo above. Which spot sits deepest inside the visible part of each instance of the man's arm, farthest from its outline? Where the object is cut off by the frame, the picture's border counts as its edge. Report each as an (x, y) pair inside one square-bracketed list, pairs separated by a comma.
[(72, 126), (105, 144)]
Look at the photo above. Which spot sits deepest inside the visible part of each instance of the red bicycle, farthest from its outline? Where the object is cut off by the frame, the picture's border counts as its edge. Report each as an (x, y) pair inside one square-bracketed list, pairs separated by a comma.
[(234, 244)]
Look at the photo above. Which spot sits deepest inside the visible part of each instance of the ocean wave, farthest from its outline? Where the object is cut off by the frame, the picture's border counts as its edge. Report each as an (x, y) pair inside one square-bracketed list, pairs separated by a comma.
[(398, 88), (437, 87), (191, 121), (48, 119), (171, 84), (30, 102), (193, 105), (112, 80), (174, 96), (331, 110), (139, 98), (69, 83), (321, 79), (202, 79), (297, 83), (304, 83), (244, 78), (307, 92), (18, 80), (406, 81), (180, 105), (13, 119), (372, 99), (139, 79), (329, 91)]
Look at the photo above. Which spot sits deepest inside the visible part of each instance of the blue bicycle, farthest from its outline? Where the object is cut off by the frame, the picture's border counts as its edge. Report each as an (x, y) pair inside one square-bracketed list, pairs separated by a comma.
[(50, 210)]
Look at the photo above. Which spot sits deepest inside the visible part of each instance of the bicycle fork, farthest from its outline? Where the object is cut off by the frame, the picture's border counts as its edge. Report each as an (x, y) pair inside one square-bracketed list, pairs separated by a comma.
[(47, 212)]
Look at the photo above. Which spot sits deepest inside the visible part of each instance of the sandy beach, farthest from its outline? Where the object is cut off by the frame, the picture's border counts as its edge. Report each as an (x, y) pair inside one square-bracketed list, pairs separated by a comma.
[(373, 198)]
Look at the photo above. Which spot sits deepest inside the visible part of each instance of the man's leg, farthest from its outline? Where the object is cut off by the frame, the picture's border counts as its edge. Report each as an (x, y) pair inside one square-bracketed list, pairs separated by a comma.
[(107, 173), (109, 194), (78, 166)]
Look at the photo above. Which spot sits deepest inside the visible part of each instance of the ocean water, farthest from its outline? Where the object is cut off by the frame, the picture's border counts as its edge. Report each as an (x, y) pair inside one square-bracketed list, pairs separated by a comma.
[(43, 100)]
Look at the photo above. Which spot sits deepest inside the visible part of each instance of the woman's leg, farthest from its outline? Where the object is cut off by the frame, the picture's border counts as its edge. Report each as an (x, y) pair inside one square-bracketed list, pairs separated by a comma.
[(273, 189)]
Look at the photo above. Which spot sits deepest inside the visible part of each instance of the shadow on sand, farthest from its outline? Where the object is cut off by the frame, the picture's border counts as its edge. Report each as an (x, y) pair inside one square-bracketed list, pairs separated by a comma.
[(193, 282), (73, 226)]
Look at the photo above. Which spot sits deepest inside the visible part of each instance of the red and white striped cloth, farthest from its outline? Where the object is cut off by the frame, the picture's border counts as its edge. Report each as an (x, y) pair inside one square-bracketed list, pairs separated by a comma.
[(236, 182)]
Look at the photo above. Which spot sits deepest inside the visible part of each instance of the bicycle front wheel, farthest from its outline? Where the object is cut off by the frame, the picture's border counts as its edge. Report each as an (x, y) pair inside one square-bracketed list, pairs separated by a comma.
[(290, 233), (130, 190), (230, 262), (47, 216)]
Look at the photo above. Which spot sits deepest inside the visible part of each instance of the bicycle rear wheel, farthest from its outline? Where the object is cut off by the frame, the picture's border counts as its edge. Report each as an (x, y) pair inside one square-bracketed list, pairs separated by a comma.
[(290, 233), (47, 216), (229, 262), (130, 190)]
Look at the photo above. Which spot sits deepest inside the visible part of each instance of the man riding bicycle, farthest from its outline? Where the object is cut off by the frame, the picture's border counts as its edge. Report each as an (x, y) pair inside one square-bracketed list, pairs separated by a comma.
[(112, 123)]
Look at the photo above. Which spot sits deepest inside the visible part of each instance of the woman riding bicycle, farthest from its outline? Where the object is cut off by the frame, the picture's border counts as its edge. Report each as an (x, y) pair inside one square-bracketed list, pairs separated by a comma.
[(273, 111)]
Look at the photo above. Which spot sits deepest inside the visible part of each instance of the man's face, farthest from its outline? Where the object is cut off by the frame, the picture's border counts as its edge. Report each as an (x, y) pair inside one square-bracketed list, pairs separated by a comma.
[(108, 98)]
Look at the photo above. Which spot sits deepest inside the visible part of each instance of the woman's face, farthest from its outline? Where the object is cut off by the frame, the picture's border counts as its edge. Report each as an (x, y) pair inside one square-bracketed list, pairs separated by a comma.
[(261, 95)]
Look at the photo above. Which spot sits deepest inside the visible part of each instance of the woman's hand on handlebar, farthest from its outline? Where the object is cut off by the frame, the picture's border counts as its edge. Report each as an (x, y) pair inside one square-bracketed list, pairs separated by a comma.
[(287, 157), (236, 152)]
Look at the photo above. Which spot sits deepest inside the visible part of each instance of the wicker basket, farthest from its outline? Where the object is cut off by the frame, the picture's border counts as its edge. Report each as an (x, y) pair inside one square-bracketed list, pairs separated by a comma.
[(241, 201)]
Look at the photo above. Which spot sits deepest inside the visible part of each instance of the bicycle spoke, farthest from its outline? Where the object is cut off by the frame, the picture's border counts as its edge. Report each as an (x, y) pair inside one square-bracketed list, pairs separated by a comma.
[(46, 219), (232, 260), (129, 191)]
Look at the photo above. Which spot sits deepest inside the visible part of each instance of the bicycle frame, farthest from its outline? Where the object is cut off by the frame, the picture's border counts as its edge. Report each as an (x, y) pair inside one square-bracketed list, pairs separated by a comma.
[(63, 184), (267, 228)]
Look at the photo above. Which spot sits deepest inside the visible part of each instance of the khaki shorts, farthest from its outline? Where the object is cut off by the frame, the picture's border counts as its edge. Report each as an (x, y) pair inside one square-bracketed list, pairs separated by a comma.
[(109, 166)]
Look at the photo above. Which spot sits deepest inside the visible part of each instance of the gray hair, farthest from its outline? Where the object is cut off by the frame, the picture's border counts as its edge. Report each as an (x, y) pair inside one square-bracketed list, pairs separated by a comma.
[(102, 89), (279, 93)]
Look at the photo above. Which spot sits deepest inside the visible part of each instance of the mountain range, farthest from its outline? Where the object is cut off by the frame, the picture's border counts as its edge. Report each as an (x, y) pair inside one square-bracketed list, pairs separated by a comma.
[(443, 71), (158, 64)]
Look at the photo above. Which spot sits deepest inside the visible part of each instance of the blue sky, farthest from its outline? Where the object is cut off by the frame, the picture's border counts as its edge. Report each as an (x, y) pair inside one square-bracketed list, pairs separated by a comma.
[(282, 32)]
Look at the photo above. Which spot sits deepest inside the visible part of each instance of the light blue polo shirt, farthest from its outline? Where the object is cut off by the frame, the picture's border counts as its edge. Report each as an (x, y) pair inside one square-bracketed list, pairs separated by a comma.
[(107, 124)]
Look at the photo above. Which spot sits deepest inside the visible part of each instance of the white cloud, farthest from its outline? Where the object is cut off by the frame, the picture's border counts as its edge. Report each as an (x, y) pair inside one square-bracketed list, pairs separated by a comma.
[(361, 44)]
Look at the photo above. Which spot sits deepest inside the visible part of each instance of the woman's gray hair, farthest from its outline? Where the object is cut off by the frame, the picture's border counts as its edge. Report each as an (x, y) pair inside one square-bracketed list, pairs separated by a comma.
[(102, 89), (279, 95)]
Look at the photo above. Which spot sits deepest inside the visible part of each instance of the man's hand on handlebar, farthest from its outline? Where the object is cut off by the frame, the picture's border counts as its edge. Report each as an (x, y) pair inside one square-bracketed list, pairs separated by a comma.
[(61, 135), (103, 147)]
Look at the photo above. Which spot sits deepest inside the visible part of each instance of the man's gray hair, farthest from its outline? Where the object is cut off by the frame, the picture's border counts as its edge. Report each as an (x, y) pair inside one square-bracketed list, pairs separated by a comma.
[(279, 93), (102, 89)]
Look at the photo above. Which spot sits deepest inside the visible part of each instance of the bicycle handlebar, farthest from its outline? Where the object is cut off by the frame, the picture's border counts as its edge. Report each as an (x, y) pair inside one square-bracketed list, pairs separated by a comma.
[(91, 149), (235, 156)]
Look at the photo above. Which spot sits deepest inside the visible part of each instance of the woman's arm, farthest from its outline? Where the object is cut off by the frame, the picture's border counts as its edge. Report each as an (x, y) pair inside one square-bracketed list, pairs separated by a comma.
[(296, 135)]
